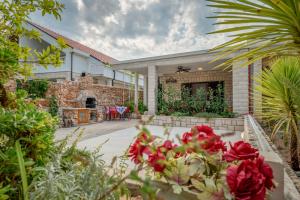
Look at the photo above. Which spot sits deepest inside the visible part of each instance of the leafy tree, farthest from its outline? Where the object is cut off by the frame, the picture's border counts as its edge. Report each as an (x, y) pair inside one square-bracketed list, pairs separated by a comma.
[(267, 27), (16, 60), (281, 101), (35, 88), (22, 124)]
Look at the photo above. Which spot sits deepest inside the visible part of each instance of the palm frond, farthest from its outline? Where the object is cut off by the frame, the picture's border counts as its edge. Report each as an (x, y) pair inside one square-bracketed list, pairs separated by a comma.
[(279, 86), (268, 27)]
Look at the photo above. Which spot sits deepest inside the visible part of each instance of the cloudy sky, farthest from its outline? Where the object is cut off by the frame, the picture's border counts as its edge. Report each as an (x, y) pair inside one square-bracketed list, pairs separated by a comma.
[(126, 29)]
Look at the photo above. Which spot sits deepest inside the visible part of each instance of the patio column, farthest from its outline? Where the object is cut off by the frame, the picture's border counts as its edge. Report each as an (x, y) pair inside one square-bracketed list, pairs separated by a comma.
[(145, 94), (257, 95), (240, 88), (152, 89), (136, 92)]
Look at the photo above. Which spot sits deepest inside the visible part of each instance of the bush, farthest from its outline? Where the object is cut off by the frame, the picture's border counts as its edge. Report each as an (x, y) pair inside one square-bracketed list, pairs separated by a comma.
[(78, 174), (35, 88), (179, 114), (211, 103), (53, 106), (141, 106), (207, 115), (34, 129)]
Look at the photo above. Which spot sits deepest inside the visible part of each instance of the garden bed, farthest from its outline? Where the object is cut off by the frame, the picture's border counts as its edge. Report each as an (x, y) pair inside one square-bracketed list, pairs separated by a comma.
[(231, 124)]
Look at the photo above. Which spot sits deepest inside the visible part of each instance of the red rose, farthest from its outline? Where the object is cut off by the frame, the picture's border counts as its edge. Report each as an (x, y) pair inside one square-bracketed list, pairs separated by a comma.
[(267, 171), (155, 160), (240, 151), (139, 147), (212, 144), (248, 181), (205, 131), (187, 137), (168, 145), (208, 140)]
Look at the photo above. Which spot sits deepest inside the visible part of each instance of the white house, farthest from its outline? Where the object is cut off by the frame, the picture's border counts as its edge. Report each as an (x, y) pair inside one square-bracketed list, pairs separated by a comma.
[(79, 60), (195, 69)]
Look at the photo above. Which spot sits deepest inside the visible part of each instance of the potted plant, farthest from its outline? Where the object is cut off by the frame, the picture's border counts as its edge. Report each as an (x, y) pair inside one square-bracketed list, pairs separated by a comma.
[(200, 166)]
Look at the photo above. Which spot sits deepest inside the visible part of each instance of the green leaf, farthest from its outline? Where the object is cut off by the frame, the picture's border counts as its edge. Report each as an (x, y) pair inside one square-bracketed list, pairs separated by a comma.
[(22, 170)]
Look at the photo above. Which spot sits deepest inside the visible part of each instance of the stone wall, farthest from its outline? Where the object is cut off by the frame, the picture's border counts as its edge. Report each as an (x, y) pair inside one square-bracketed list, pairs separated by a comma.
[(201, 76), (231, 124), (74, 93)]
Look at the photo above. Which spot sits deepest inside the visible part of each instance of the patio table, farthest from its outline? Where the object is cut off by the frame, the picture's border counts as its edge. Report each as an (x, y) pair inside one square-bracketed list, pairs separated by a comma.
[(121, 110)]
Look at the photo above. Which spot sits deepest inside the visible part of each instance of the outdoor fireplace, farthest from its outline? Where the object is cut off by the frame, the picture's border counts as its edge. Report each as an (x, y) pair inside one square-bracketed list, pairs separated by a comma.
[(90, 102)]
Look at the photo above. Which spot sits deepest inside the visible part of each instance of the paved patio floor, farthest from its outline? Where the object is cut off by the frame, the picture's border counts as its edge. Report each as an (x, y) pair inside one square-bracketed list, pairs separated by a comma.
[(95, 130)]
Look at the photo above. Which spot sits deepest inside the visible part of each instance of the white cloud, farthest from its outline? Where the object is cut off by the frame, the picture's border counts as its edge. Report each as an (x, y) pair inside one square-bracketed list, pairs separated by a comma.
[(126, 29)]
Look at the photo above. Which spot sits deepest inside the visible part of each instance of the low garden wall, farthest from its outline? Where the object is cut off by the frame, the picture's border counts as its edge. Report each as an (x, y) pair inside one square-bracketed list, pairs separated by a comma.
[(231, 124), (288, 183)]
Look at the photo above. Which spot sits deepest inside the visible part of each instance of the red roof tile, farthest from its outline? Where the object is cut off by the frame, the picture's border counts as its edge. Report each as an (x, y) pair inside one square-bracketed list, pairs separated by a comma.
[(76, 45)]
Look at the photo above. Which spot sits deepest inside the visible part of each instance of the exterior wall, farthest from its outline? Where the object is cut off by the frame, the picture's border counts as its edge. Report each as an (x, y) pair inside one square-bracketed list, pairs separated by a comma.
[(231, 124), (257, 95), (240, 84), (72, 93), (81, 63), (201, 76), (63, 75), (152, 89)]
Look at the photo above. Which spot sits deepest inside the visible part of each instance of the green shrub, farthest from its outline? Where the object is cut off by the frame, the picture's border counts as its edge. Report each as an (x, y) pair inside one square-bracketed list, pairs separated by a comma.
[(35, 88), (169, 102), (35, 130), (179, 114), (207, 115), (141, 106), (53, 106), (78, 174)]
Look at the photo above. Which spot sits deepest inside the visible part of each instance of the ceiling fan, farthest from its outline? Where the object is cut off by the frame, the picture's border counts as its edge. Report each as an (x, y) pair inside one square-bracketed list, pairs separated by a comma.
[(182, 69)]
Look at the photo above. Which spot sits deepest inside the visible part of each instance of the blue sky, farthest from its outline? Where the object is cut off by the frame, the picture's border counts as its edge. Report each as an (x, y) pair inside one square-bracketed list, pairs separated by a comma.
[(126, 29)]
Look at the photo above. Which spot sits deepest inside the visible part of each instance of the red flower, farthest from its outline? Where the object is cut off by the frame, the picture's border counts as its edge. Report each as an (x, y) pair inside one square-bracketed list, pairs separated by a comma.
[(212, 144), (267, 171), (240, 151), (168, 145), (187, 137), (205, 131), (155, 160), (208, 140), (139, 147), (249, 180)]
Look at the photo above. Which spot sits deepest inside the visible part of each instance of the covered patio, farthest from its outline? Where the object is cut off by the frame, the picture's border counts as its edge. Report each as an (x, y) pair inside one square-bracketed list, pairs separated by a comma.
[(194, 67)]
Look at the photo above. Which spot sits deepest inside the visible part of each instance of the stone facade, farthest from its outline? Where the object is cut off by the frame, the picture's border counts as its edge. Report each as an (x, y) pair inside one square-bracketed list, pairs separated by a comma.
[(74, 93), (72, 97), (231, 124), (201, 76)]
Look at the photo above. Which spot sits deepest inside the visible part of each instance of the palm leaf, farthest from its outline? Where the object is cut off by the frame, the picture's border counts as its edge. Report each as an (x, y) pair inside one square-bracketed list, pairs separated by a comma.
[(272, 25)]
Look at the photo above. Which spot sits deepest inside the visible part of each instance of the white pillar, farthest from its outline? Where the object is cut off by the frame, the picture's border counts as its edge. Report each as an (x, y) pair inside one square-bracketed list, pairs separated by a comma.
[(145, 90), (240, 88), (257, 95), (152, 89), (136, 92)]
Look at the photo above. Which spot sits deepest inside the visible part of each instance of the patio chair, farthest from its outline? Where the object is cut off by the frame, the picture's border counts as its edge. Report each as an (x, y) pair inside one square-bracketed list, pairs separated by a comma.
[(113, 112), (128, 113)]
